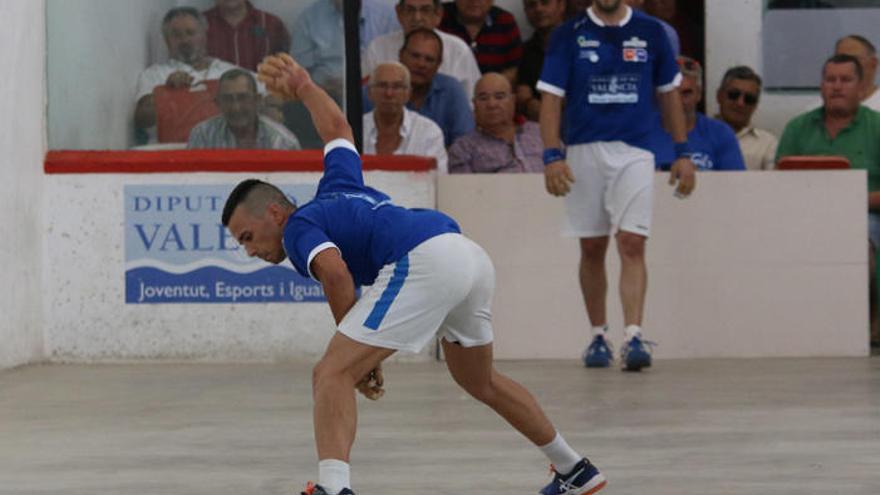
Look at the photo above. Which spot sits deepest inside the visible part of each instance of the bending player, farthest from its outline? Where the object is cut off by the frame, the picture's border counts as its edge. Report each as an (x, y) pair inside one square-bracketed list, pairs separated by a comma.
[(424, 279)]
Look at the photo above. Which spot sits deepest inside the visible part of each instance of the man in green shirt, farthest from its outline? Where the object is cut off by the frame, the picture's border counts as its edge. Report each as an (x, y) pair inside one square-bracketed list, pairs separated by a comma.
[(843, 127)]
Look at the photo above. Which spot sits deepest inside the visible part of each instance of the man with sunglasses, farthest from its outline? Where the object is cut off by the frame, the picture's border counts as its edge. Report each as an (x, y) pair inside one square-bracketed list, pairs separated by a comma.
[(738, 98), (713, 144), (240, 124), (615, 69)]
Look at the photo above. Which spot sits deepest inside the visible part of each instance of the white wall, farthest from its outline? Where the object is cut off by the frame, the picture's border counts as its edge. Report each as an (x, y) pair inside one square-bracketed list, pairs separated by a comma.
[(22, 106)]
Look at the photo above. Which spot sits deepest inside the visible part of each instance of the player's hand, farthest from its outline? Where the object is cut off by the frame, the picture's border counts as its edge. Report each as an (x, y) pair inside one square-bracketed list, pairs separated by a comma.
[(283, 76), (558, 178), (371, 384), (684, 173), (179, 79)]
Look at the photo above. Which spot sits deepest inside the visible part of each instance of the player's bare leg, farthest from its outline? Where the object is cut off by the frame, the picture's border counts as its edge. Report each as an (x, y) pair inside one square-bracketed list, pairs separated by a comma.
[(633, 276), (344, 364), (593, 279), (472, 369)]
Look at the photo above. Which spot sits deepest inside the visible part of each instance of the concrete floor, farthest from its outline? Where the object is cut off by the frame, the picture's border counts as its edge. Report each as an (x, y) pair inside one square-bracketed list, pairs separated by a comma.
[(794, 426)]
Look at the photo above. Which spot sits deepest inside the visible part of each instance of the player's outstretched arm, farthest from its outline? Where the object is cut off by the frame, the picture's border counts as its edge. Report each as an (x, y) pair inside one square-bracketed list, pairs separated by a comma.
[(290, 81)]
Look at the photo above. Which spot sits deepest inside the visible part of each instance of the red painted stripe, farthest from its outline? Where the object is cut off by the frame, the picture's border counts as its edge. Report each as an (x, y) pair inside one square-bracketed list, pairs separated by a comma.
[(188, 161)]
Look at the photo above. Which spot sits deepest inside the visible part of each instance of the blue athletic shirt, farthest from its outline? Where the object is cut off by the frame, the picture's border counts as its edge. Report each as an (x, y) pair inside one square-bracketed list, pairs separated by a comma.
[(608, 76), (713, 146), (361, 222)]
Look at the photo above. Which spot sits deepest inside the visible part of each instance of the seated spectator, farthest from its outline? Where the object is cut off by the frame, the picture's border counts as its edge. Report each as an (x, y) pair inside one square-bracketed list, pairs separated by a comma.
[(862, 49), (436, 96), (490, 31), (458, 60), (499, 144), (240, 125), (544, 16), (391, 128), (738, 98), (671, 33), (713, 143), (184, 30), (842, 127), (242, 35)]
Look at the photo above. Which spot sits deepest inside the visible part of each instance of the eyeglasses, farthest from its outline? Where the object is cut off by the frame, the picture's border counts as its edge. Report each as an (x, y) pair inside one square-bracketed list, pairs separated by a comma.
[(748, 98), (688, 64), (396, 86)]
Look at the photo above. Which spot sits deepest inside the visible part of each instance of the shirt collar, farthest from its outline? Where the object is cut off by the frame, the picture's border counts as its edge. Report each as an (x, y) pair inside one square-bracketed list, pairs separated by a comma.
[(600, 22)]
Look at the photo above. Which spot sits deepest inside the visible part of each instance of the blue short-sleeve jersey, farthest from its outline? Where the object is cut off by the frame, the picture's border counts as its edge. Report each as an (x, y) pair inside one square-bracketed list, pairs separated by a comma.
[(713, 146), (361, 222), (608, 76)]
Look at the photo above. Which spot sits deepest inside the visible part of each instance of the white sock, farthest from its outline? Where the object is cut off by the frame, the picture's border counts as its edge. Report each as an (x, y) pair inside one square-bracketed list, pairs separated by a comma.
[(334, 475), (561, 455), (632, 331), (600, 330)]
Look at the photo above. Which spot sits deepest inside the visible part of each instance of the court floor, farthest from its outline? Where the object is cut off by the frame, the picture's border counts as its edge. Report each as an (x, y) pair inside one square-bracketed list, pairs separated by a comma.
[(771, 426)]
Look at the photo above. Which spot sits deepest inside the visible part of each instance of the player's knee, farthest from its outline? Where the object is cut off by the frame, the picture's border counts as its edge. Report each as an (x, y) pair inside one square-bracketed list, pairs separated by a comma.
[(324, 373), (631, 245), (593, 250)]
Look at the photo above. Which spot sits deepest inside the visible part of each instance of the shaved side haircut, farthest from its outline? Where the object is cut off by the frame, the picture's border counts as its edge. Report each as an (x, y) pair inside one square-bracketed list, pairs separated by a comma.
[(254, 195)]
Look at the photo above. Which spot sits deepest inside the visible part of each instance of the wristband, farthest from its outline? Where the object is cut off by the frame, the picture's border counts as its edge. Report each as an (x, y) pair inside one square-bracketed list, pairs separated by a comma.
[(553, 155), (682, 150)]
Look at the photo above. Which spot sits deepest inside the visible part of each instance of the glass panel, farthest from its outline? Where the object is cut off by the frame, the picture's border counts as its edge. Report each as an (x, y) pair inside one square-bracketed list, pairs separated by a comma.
[(122, 74), (800, 34)]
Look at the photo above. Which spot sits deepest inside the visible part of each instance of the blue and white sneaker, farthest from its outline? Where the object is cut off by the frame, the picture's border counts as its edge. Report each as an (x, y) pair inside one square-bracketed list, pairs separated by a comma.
[(584, 479), (313, 489), (634, 355), (598, 354)]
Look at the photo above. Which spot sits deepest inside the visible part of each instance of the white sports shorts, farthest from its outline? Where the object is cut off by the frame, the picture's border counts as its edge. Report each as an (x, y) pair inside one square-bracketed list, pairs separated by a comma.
[(443, 287), (613, 189)]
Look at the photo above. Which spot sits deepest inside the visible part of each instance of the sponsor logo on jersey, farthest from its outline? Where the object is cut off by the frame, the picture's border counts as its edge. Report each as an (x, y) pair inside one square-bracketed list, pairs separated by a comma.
[(590, 55), (635, 55), (635, 42)]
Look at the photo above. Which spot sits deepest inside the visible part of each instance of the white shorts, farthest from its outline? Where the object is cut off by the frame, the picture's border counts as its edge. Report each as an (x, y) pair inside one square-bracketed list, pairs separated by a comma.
[(613, 188), (443, 287)]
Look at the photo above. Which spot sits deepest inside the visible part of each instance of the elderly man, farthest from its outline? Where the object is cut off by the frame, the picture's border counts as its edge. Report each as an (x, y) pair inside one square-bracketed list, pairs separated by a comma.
[(499, 144), (738, 98), (862, 49), (490, 31), (544, 16), (242, 34), (184, 29), (391, 128), (458, 60), (713, 143), (240, 125)]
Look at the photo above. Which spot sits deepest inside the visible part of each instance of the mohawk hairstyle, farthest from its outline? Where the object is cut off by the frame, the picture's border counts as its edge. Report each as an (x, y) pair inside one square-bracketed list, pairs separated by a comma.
[(254, 194)]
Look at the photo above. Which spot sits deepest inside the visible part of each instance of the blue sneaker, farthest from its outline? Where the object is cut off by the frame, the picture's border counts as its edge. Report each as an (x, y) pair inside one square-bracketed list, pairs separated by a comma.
[(598, 354), (634, 355), (313, 489), (584, 479)]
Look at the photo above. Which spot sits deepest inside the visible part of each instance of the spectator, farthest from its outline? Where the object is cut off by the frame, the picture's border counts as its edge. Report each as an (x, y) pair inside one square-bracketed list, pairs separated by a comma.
[(184, 30), (458, 60), (738, 98), (613, 110), (841, 126), (671, 33), (575, 8), (862, 49), (318, 44), (499, 144), (242, 35), (490, 31), (240, 125), (436, 96), (544, 16), (391, 128), (713, 143), (688, 25)]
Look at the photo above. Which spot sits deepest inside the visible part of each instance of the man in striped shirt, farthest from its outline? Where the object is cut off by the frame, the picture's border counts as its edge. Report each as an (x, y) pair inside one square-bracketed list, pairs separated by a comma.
[(490, 31)]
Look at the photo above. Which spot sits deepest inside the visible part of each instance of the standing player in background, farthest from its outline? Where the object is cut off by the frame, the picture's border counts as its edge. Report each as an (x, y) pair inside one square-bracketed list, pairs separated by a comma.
[(425, 278), (613, 66)]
